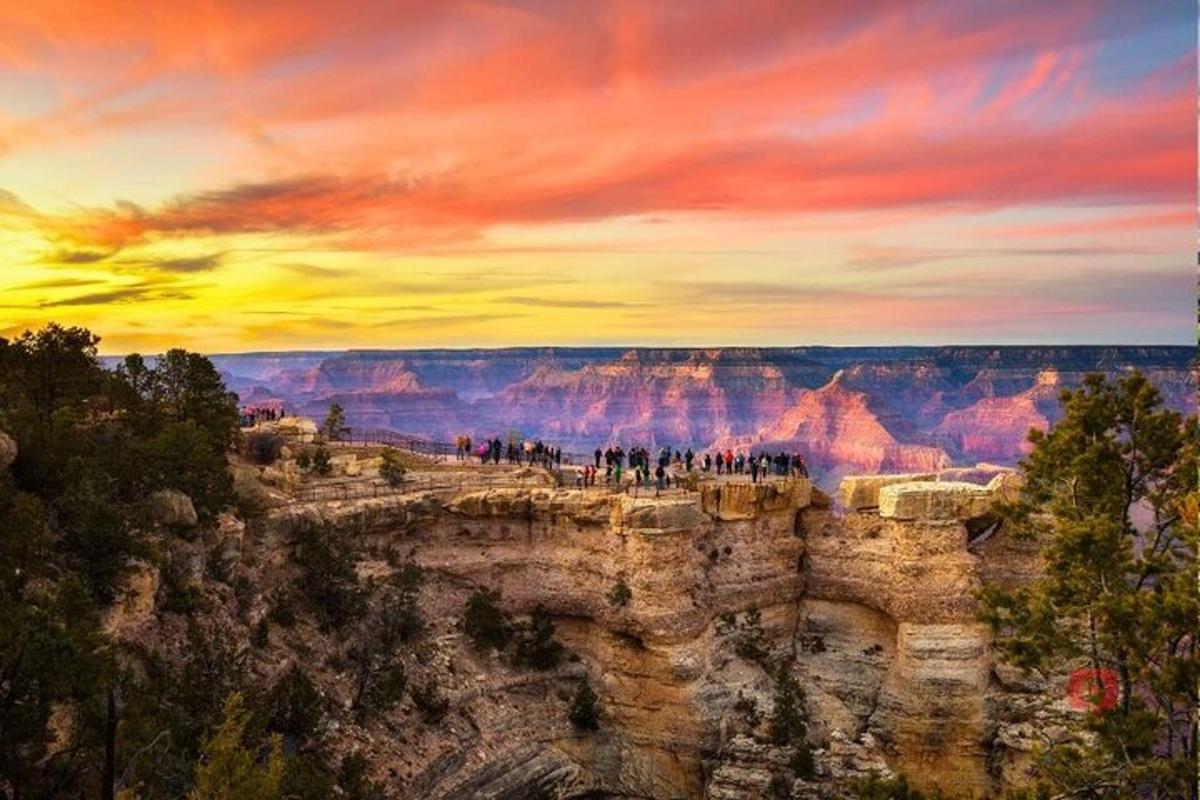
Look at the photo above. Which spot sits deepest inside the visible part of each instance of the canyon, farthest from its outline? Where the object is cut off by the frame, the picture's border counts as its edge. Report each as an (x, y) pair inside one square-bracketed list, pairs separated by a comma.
[(867, 601), (847, 410)]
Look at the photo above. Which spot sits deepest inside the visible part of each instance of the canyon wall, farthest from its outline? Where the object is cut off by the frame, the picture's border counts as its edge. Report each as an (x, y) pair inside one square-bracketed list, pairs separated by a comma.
[(873, 610)]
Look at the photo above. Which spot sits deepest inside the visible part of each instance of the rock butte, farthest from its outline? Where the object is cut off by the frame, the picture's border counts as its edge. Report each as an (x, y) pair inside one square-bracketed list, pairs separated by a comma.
[(876, 604)]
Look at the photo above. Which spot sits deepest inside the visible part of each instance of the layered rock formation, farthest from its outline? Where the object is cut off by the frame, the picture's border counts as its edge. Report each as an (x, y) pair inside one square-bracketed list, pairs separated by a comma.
[(873, 610), (837, 432)]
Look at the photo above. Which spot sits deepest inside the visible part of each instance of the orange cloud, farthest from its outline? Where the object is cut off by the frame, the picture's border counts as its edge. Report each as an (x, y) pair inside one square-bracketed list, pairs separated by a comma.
[(191, 139)]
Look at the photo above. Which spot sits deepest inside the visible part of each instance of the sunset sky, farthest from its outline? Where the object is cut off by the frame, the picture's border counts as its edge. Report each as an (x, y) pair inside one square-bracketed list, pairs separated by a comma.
[(233, 176)]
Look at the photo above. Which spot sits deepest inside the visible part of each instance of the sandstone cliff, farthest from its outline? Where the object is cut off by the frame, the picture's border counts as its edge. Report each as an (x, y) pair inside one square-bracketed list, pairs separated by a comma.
[(874, 610)]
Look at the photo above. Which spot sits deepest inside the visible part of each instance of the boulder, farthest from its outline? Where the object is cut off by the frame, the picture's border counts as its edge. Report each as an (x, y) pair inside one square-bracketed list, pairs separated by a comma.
[(861, 492), (934, 500), (172, 508), (231, 533), (1006, 486), (8, 450)]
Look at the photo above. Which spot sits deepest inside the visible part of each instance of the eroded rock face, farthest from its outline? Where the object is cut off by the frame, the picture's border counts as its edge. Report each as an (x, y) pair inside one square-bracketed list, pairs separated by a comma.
[(928, 500), (874, 613)]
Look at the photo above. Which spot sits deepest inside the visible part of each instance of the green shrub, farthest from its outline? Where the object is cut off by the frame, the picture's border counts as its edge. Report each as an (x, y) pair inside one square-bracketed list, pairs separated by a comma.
[(391, 469), (536, 645), (328, 579), (355, 779), (484, 622), (429, 701), (751, 642), (621, 594), (321, 463), (308, 777), (789, 720), (260, 634), (293, 706), (263, 448), (873, 787), (789, 724), (283, 610), (585, 708)]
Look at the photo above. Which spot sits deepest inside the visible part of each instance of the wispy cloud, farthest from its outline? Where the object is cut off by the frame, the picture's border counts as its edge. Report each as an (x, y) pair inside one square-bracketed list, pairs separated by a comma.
[(547, 302), (736, 158)]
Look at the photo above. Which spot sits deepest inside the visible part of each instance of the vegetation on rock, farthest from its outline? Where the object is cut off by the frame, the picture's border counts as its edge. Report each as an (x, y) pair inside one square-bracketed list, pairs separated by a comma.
[(621, 594), (585, 708), (484, 622), (536, 646)]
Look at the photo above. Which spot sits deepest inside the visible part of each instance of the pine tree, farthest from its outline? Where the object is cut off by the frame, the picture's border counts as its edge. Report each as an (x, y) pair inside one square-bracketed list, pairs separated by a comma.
[(229, 770), (1110, 499)]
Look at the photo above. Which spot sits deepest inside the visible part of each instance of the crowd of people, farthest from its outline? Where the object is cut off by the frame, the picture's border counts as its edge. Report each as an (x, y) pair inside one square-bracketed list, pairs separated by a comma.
[(523, 452), (668, 463), (252, 415), (658, 470)]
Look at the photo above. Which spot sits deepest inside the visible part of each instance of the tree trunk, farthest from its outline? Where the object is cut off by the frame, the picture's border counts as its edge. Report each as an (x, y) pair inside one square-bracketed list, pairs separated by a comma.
[(107, 787)]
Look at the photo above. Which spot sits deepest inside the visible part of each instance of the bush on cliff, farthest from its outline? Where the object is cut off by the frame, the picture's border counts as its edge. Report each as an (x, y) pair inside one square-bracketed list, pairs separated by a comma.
[(230, 770), (751, 642), (585, 708), (293, 706), (264, 448), (621, 594), (1110, 498), (536, 645), (484, 622), (376, 647), (328, 580), (873, 787), (391, 469), (321, 462), (789, 723), (429, 701)]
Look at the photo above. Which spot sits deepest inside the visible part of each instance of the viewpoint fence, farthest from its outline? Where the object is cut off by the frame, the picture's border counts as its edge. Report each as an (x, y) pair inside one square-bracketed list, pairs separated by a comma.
[(430, 447)]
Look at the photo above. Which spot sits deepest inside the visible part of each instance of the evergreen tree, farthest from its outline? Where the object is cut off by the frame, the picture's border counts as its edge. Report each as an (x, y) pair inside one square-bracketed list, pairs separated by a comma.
[(536, 645), (229, 770), (1110, 499), (335, 420), (484, 622)]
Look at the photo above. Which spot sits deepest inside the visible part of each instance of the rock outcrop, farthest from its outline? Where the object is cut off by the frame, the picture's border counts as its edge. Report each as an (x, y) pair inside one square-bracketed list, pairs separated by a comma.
[(873, 611), (8, 450), (173, 509)]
